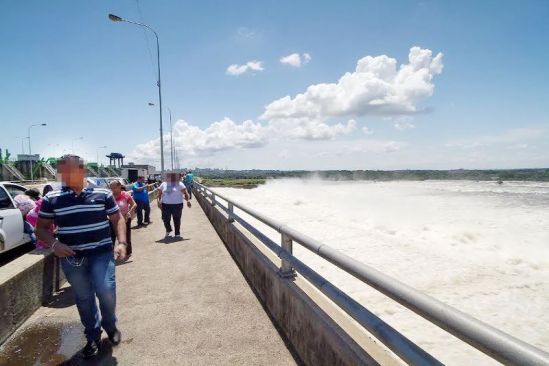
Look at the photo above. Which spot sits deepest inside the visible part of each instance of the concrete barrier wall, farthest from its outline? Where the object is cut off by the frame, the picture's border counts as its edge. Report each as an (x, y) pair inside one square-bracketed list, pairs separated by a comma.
[(315, 337), (25, 284)]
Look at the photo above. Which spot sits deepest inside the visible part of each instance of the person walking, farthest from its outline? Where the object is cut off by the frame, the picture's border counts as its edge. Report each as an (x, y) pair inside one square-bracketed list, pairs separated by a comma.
[(171, 195), (188, 180), (141, 197), (127, 207), (85, 247)]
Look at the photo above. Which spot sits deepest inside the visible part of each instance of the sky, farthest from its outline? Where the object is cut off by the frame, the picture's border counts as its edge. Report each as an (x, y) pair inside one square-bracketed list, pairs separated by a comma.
[(280, 84)]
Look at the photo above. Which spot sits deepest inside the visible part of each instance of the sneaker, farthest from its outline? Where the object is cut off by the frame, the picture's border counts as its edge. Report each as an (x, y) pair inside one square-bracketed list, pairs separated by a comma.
[(177, 236), (91, 349), (167, 234), (148, 222), (115, 336)]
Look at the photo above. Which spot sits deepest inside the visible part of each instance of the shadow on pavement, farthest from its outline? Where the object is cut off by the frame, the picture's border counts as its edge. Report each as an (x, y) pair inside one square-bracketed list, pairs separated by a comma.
[(171, 240), (104, 357)]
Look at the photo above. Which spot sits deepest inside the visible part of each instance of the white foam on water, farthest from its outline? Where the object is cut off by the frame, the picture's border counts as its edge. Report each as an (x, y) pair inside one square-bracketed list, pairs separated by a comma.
[(478, 246)]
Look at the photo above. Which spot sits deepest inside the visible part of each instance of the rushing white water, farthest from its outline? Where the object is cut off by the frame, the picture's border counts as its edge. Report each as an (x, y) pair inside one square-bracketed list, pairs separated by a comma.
[(478, 246)]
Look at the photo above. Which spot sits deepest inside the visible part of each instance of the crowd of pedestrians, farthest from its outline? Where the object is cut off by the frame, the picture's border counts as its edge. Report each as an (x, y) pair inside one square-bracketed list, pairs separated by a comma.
[(89, 229)]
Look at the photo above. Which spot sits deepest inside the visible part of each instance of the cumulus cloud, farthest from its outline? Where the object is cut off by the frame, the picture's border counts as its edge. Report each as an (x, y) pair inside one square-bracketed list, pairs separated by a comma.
[(376, 86), (296, 60), (192, 140), (236, 70), (309, 129)]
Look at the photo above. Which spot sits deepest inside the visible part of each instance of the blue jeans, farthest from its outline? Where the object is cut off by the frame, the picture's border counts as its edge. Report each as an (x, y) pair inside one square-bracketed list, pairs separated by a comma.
[(91, 276), (189, 188)]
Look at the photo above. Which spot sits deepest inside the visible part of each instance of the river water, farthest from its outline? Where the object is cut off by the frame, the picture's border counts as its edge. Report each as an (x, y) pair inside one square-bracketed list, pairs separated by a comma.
[(479, 246)]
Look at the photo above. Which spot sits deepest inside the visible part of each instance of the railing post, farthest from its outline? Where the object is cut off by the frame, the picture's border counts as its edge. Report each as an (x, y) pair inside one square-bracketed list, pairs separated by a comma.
[(213, 199), (231, 212), (286, 270)]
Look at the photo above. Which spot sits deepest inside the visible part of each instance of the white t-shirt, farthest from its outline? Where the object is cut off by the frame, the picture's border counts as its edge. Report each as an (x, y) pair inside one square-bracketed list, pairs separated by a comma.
[(171, 192)]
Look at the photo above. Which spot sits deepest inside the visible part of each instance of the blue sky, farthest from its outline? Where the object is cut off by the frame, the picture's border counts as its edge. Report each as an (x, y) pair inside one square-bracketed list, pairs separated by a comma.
[(64, 63)]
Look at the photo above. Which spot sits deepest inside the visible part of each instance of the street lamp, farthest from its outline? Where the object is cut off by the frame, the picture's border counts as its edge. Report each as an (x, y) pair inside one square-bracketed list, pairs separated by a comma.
[(171, 135), (30, 153), (116, 18), (97, 153)]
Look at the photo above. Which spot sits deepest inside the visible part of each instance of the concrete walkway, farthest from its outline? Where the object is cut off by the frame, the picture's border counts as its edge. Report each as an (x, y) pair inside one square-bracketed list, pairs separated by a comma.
[(179, 303)]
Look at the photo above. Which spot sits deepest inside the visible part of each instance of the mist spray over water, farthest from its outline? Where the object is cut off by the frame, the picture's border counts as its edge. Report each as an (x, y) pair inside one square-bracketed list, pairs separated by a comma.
[(478, 246)]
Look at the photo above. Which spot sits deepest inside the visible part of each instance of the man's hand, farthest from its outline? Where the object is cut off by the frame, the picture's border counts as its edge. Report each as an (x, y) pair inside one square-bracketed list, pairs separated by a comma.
[(120, 251), (189, 204), (62, 250)]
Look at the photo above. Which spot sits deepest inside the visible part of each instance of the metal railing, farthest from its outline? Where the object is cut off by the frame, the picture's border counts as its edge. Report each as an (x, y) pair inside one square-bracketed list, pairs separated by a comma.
[(491, 341)]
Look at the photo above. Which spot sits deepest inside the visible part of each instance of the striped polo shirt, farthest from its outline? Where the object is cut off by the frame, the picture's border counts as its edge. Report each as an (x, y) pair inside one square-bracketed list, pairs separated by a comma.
[(82, 219)]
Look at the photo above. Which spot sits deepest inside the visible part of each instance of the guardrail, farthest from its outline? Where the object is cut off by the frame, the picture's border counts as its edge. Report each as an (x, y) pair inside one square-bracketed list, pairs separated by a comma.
[(489, 340)]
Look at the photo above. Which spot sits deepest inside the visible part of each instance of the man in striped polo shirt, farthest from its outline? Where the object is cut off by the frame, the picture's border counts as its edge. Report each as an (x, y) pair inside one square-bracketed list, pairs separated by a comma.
[(85, 247)]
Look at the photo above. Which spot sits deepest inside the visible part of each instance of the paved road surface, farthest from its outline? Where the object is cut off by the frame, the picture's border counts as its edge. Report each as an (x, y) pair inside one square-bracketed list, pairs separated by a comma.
[(179, 303)]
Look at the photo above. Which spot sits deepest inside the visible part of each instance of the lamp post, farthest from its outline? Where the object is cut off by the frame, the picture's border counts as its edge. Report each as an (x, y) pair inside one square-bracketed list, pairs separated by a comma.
[(30, 153), (116, 18), (97, 153), (171, 135)]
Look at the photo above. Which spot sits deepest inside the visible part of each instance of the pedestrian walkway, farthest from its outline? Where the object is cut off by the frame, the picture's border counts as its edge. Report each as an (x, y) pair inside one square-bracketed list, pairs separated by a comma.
[(179, 303)]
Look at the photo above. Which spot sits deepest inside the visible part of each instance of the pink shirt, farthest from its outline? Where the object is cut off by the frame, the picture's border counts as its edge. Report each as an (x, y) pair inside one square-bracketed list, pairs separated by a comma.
[(123, 202), (32, 218)]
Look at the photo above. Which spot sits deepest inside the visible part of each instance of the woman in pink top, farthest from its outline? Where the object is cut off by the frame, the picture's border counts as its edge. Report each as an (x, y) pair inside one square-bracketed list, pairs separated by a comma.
[(32, 216), (127, 206)]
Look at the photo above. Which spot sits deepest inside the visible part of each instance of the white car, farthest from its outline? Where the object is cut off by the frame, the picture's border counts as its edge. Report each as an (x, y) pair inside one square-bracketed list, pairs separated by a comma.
[(11, 220), (97, 182)]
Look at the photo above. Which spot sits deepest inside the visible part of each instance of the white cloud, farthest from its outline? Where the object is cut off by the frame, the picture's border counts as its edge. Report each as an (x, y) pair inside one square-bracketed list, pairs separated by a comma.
[(375, 87), (192, 140), (404, 125), (241, 69), (309, 129), (367, 131), (296, 60)]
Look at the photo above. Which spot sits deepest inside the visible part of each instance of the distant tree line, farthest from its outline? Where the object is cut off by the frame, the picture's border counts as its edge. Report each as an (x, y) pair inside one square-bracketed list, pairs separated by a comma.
[(382, 175)]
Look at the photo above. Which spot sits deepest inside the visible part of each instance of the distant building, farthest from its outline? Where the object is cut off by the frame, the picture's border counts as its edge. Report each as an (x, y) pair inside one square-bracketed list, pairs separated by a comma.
[(27, 157), (132, 171)]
